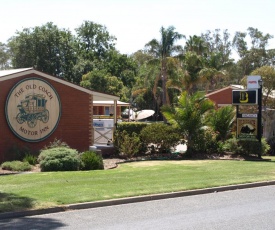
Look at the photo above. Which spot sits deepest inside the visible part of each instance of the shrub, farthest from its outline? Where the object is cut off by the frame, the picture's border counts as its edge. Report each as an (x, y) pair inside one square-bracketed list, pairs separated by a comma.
[(271, 143), (231, 145), (161, 135), (59, 159), (128, 144), (131, 127), (246, 147), (206, 141), (32, 160), (16, 166), (56, 143), (90, 160)]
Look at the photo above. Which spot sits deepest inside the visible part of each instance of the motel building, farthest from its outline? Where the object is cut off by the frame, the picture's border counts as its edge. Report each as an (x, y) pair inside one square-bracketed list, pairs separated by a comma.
[(38, 108)]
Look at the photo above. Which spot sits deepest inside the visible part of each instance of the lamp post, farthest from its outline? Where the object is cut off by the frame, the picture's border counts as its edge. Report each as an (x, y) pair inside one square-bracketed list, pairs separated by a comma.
[(260, 92)]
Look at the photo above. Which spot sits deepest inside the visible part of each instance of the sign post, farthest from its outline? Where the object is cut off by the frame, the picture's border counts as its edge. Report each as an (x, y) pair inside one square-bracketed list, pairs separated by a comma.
[(260, 93), (249, 125)]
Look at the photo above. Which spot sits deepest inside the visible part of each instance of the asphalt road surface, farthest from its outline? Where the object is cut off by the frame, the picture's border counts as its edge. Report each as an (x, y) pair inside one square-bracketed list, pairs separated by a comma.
[(243, 209)]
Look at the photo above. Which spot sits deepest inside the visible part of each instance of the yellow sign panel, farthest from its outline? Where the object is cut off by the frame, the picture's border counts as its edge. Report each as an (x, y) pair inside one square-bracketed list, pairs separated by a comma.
[(247, 128)]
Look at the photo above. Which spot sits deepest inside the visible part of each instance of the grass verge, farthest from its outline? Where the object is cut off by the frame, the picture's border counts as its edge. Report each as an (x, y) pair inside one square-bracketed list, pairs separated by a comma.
[(41, 190)]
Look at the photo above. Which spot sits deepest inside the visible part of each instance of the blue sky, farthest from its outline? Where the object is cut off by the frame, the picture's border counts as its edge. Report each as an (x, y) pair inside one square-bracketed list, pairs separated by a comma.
[(136, 22)]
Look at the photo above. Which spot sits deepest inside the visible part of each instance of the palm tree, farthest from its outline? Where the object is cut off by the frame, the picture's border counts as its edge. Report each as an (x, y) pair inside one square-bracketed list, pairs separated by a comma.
[(162, 50), (188, 116), (196, 44), (221, 120)]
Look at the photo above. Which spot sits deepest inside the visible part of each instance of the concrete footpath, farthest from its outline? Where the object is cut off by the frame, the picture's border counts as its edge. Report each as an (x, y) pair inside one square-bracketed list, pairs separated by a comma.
[(97, 204)]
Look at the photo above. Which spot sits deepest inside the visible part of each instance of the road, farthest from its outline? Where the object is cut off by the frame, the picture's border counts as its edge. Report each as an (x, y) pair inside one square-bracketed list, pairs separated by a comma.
[(243, 209)]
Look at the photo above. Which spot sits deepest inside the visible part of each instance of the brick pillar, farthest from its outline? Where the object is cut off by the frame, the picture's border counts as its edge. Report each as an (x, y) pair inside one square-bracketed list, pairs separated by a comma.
[(91, 129)]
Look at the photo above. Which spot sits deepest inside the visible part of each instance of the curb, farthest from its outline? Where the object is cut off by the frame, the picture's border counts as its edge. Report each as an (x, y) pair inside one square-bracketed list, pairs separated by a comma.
[(128, 200)]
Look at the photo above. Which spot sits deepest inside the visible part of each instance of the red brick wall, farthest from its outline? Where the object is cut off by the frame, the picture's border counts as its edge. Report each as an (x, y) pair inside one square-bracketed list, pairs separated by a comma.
[(222, 97), (73, 128)]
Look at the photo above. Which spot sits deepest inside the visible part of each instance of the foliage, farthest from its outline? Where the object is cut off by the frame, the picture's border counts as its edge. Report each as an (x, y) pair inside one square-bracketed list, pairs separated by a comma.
[(121, 66), (221, 120), (90, 160), (130, 127), (257, 55), (59, 159), (206, 141), (231, 145), (160, 135), (161, 50), (128, 144), (143, 97), (246, 147), (188, 116), (31, 159), (102, 81), (271, 143), (56, 143), (267, 74), (94, 40), (46, 48), (16, 166), (4, 57)]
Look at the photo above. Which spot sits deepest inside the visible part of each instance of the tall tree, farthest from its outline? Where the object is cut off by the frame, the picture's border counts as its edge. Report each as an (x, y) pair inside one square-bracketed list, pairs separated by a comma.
[(219, 42), (162, 50), (122, 66), (217, 61), (100, 80), (46, 48), (268, 76), (4, 56), (256, 55), (93, 43), (146, 94), (196, 44)]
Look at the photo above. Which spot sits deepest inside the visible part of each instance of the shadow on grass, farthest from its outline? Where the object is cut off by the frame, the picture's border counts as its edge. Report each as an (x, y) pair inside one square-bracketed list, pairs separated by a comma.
[(31, 223), (10, 202)]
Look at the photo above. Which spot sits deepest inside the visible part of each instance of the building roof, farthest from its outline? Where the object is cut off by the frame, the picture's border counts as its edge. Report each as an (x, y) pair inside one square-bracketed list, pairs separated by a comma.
[(233, 87), (14, 73), (110, 103)]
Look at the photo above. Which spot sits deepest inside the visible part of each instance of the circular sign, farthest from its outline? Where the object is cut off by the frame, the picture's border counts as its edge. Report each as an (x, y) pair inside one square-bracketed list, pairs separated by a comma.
[(33, 109)]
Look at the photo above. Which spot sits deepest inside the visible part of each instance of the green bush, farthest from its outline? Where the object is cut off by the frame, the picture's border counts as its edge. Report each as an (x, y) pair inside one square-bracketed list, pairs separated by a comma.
[(128, 144), (206, 141), (59, 159), (231, 145), (32, 160), (161, 135), (90, 160), (56, 143), (16, 166), (246, 147), (130, 128)]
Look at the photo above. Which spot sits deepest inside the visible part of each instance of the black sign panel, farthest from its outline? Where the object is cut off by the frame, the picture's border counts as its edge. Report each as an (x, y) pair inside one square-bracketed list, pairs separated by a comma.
[(244, 97)]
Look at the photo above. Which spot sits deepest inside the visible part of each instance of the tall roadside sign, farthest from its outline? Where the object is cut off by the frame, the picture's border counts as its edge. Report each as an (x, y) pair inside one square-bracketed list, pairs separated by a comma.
[(249, 118)]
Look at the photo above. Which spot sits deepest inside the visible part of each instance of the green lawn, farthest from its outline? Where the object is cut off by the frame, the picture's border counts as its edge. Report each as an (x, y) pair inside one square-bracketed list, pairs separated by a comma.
[(40, 190)]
